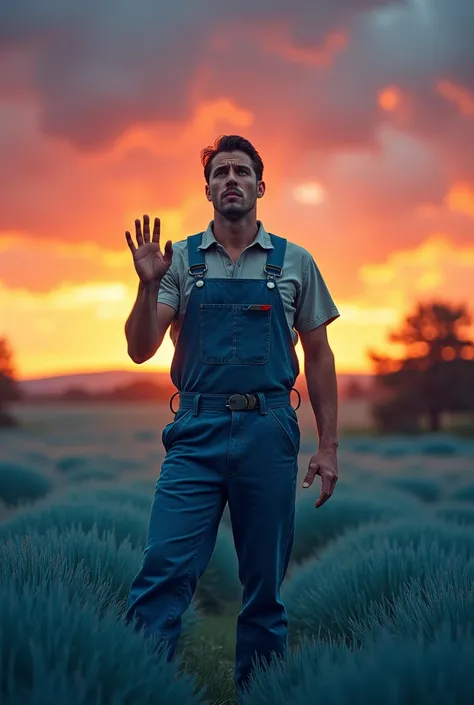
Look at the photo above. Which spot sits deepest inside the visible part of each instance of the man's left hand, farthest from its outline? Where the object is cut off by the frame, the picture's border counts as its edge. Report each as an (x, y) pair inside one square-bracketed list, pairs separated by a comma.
[(323, 463)]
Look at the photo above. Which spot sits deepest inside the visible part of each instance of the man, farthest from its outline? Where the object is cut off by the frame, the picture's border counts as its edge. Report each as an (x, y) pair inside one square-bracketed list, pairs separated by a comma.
[(236, 298)]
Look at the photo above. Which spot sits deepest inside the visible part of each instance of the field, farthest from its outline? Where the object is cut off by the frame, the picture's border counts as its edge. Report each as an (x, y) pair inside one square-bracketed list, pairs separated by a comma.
[(380, 590)]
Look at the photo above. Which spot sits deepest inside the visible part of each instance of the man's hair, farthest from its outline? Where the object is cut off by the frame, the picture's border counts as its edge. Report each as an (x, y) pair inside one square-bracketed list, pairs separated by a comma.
[(231, 143)]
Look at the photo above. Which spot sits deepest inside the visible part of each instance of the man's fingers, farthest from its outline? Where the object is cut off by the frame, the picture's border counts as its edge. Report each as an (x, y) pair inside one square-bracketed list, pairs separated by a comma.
[(168, 253), (146, 228), (130, 242), (323, 497), (318, 465), (138, 232), (328, 484), (310, 475), (156, 231)]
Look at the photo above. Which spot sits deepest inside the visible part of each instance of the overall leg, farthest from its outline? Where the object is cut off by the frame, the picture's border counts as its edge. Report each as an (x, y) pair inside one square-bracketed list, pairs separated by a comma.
[(261, 495), (187, 508)]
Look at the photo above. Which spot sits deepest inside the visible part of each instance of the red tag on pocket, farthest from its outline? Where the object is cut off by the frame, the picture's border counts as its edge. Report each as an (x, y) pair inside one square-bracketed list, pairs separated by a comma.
[(259, 307)]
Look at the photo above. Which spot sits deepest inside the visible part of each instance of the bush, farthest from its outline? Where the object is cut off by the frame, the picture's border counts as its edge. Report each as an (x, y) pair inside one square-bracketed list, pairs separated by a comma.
[(19, 484), (465, 493), (94, 475), (42, 559), (56, 649), (437, 599), (445, 447), (128, 522), (425, 489), (385, 670), (404, 532), (7, 420), (349, 507), (461, 513), (118, 496), (99, 462), (325, 596)]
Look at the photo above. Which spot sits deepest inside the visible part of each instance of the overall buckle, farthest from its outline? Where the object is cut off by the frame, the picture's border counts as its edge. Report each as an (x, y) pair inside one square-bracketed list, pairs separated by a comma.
[(241, 402)]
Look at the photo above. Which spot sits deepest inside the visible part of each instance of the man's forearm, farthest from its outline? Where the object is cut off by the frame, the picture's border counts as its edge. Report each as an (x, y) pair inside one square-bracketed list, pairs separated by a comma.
[(321, 380), (141, 328)]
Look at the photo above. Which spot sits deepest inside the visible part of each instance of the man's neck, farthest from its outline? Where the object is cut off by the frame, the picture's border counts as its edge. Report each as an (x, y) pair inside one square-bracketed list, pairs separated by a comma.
[(235, 236)]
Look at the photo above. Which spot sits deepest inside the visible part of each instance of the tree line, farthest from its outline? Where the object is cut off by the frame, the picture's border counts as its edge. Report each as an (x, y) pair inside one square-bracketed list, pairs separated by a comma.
[(432, 375)]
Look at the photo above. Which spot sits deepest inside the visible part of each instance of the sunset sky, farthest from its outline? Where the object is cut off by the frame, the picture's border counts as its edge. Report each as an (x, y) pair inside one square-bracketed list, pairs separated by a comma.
[(362, 111)]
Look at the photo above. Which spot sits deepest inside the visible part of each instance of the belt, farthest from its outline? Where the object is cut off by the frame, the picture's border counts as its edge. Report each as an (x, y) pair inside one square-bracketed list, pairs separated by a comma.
[(232, 402)]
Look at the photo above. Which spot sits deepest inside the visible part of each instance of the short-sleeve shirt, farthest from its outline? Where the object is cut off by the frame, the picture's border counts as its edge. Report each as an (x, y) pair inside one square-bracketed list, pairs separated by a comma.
[(306, 298)]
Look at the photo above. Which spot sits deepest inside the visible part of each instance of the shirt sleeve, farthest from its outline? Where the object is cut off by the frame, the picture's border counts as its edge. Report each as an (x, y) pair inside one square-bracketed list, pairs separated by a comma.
[(315, 305), (168, 293)]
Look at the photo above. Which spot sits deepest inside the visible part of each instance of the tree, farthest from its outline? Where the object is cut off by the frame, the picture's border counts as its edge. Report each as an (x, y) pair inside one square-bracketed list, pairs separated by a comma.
[(9, 389), (354, 390), (435, 374)]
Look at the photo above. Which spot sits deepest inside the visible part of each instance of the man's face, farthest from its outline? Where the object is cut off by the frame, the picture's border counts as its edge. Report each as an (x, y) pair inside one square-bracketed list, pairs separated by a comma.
[(233, 171)]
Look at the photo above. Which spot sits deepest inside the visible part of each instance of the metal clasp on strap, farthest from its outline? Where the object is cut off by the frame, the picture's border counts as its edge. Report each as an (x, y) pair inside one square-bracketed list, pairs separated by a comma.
[(241, 402), (200, 265), (199, 274), (278, 270), (271, 284)]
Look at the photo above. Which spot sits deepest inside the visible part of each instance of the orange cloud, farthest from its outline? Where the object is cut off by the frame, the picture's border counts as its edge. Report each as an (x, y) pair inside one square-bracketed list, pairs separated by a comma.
[(309, 193), (172, 138), (461, 198), (277, 40), (420, 272), (390, 98), (462, 97)]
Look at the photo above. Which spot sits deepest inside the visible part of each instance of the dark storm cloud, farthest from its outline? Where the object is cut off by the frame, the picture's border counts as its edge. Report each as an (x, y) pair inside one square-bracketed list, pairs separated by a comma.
[(409, 47), (101, 67), (98, 68)]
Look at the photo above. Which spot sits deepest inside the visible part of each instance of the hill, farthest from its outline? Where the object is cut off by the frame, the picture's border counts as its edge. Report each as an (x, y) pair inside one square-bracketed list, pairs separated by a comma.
[(115, 384)]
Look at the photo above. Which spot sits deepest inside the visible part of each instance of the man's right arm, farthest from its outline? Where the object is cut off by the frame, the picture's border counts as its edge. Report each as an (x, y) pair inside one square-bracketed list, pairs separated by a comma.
[(147, 324)]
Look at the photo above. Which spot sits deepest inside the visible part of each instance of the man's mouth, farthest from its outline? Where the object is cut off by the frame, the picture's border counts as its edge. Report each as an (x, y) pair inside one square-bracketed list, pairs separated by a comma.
[(232, 193)]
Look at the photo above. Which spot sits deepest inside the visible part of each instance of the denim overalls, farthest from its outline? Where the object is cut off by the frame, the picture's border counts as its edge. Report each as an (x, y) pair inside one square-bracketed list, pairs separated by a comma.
[(225, 447)]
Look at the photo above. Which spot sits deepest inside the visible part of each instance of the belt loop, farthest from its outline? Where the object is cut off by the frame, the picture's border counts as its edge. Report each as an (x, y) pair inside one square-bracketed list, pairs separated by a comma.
[(263, 407), (196, 404)]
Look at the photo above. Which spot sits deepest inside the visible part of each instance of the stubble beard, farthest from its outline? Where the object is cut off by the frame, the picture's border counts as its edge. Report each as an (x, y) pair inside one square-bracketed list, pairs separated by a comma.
[(234, 212)]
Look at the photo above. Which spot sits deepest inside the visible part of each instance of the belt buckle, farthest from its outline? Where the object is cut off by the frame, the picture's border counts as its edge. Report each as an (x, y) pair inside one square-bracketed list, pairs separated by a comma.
[(241, 402)]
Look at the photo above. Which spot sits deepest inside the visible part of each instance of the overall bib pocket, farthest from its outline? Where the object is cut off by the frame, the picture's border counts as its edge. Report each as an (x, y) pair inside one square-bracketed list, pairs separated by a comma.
[(235, 334)]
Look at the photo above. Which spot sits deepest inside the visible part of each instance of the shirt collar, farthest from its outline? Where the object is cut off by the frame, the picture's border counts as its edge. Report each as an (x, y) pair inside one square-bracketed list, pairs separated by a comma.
[(263, 238)]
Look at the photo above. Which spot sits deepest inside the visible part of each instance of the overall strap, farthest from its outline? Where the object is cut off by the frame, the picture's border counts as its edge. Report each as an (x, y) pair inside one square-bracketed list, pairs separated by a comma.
[(196, 256), (275, 258), (273, 266), (197, 259)]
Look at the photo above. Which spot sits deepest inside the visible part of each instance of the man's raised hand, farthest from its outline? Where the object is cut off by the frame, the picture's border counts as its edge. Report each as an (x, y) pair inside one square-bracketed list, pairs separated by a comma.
[(150, 263)]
